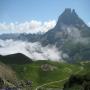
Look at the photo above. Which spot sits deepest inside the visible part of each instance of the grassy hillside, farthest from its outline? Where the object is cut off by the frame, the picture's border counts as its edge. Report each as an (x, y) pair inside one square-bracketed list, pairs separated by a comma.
[(38, 76), (45, 74), (83, 74), (78, 82), (17, 58)]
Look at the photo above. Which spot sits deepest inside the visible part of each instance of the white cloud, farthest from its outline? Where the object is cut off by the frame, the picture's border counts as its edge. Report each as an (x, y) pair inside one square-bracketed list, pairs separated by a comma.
[(33, 50), (49, 25), (32, 26)]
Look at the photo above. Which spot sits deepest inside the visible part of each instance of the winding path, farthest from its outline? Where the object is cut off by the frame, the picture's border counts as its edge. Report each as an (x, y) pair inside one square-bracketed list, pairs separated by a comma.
[(81, 68), (50, 83)]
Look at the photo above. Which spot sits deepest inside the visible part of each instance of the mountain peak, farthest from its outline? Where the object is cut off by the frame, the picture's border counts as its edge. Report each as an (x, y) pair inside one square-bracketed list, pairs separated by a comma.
[(69, 11), (69, 17)]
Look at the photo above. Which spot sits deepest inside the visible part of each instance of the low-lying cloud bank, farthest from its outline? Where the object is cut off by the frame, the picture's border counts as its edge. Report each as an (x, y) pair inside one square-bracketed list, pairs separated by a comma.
[(32, 26), (33, 50)]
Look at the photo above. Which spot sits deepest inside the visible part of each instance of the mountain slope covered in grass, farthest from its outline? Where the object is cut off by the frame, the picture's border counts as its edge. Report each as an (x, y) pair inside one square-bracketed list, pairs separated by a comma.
[(80, 81), (44, 74), (41, 72), (17, 58)]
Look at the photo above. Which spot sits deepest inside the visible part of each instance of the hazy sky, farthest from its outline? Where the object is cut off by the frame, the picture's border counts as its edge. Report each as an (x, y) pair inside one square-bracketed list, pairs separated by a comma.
[(37, 15), (43, 10)]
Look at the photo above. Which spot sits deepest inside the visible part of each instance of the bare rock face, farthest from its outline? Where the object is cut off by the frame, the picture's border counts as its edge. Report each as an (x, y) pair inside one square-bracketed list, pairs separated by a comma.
[(48, 67)]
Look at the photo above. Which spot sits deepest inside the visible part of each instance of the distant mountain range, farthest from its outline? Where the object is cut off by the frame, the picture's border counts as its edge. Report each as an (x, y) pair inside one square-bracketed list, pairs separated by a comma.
[(71, 35), (22, 37)]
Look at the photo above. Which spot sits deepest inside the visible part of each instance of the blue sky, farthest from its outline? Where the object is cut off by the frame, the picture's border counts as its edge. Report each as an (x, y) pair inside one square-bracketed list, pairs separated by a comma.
[(42, 10)]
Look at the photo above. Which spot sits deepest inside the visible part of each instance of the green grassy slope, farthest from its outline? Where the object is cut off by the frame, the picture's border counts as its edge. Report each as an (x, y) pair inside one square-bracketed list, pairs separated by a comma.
[(84, 72), (34, 72), (17, 58), (51, 78)]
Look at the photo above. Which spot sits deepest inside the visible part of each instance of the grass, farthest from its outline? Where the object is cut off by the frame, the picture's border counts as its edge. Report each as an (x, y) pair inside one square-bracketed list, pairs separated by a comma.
[(34, 72), (39, 77), (86, 70)]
